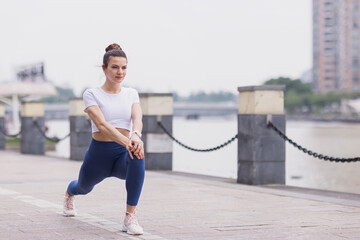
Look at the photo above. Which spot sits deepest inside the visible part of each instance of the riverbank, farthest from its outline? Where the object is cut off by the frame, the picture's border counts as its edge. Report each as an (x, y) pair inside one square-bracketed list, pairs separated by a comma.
[(324, 118), (14, 144)]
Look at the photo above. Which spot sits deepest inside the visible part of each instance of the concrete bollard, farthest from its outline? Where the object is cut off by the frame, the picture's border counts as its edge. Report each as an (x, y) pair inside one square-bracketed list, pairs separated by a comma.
[(158, 145), (32, 140), (2, 126), (80, 129), (261, 152)]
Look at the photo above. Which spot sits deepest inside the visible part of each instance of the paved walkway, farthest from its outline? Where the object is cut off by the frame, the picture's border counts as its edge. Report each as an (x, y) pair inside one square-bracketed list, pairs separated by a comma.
[(172, 206)]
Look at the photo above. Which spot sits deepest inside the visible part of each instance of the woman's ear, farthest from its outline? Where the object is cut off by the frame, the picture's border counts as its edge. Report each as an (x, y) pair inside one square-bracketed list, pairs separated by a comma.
[(103, 67)]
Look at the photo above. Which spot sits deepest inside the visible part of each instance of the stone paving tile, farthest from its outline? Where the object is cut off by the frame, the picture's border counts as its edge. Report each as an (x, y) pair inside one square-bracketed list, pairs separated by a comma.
[(171, 207)]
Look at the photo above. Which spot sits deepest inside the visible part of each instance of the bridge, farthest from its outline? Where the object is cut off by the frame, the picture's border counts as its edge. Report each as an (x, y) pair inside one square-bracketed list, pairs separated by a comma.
[(194, 110), (60, 111)]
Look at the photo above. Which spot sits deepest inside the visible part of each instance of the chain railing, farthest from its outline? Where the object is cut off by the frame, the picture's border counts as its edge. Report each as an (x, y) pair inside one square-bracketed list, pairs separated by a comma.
[(195, 149), (52, 139), (2, 131), (311, 153), (269, 124)]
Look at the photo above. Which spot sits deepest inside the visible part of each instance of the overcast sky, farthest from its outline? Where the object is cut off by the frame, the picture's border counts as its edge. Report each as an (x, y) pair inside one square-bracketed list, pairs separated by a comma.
[(183, 45)]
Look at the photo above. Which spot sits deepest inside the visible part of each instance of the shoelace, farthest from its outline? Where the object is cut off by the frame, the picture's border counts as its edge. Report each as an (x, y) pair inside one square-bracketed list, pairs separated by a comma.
[(132, 219), (69, 203)]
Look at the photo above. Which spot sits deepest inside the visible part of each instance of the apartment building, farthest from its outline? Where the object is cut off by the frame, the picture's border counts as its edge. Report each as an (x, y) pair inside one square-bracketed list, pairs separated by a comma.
[(336, 45)]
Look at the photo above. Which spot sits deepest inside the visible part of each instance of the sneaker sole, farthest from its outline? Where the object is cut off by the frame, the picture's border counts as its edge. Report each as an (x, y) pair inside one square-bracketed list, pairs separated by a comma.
[(69, 215), (125, 229)]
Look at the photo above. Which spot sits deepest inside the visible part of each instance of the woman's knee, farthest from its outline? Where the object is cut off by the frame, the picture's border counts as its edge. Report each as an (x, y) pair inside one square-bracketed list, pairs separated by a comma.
[(138, 162), (85, 189), (75, 188)]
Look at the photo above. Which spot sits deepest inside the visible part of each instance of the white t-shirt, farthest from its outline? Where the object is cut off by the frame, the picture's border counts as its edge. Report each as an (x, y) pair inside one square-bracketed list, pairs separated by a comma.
[(115, 107)]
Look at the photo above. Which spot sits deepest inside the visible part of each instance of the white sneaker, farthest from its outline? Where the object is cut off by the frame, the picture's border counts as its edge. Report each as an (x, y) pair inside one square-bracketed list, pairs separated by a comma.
[(131, 225), (69, 206)]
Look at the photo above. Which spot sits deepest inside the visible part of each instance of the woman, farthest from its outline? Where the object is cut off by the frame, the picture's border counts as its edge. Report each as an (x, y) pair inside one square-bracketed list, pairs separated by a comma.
[(113, 151)]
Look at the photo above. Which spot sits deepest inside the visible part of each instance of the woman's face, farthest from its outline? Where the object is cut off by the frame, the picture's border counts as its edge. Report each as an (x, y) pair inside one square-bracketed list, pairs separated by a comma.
[(116, 69)]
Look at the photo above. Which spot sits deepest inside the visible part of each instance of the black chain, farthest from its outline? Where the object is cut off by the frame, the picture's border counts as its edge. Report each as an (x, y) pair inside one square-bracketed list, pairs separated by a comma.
[(53, 139), (311, 153), (194, 149), (10, 135)]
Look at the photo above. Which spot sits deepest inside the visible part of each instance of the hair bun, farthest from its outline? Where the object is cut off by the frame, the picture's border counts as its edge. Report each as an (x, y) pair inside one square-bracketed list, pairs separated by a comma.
[(113, 46)]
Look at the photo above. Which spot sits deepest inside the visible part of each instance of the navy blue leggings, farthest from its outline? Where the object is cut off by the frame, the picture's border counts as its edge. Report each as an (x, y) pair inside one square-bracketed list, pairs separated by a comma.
[(109, 159)]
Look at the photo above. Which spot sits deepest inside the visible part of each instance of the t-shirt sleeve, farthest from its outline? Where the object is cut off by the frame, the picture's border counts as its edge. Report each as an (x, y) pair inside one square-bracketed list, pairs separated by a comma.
[(89, 99), (135, 97)]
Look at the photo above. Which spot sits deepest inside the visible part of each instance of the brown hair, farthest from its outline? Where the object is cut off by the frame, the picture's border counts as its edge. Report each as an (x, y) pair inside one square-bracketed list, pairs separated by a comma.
[(113, 50)]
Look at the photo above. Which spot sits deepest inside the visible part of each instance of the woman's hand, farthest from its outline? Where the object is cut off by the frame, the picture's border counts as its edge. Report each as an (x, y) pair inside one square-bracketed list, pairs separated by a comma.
[(137, 146), (129, 147)]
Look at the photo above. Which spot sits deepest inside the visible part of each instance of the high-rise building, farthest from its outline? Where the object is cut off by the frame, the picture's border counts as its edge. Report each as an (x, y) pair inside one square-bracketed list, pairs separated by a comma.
[(336, 45)]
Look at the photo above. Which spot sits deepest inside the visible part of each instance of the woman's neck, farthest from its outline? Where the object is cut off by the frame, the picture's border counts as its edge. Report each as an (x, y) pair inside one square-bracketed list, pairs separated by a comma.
[(111, 87)]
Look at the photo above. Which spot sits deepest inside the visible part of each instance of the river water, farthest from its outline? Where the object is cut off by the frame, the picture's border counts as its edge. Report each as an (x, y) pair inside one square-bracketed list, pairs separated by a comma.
[(333, 139)]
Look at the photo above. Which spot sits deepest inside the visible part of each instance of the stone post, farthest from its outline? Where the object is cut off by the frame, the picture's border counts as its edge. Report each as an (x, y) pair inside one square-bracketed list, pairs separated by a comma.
[(158, 146), (32, 140), (2, 126), (80, 129), (261, 152)]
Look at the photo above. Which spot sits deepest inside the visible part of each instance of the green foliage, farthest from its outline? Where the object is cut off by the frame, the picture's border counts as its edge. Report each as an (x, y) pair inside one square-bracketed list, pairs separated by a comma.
[(17, 141), (322, 100), (291, 84), (12, 141), (64, 94), (299, 96), (176, 97), (297, 93), (201, 96)]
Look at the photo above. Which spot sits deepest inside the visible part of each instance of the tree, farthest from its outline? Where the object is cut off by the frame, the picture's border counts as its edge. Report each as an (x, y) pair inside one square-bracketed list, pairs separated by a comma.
[(291, 84), (299, 96), (64, 94), (297, 93), (201, 96)]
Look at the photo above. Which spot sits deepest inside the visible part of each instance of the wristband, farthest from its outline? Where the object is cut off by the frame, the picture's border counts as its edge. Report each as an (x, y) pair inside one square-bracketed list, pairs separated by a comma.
[(137, 133)]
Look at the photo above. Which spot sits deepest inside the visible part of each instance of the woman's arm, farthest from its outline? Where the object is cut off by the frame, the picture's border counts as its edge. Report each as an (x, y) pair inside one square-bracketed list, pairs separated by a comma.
[(107, 129), (136, 116)]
